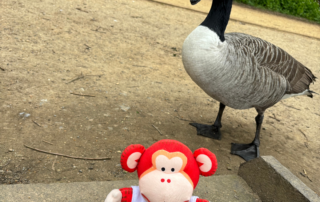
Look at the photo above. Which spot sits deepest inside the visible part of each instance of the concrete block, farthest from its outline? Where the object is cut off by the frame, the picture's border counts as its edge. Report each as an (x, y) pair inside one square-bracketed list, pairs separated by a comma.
[(223, 188), (273, 182)]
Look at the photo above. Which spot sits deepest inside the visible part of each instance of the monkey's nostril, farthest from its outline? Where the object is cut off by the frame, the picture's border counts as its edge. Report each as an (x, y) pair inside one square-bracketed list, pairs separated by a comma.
[(168, 180), (162, 180)]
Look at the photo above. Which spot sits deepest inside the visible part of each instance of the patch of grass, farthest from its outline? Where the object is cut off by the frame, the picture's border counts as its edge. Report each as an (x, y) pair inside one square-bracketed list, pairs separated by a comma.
[(308, 9)]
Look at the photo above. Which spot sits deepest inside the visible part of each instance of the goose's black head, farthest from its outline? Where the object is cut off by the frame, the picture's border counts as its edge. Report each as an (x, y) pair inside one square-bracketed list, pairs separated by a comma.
[(194, 2), (218, 16)]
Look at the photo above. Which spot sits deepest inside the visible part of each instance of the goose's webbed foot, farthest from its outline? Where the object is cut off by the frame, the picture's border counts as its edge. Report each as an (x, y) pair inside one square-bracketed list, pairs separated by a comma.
[(250, 151), (210, 131), (245, 151)]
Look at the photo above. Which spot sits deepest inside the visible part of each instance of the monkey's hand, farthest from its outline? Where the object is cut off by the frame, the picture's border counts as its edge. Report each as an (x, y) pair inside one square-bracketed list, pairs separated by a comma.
[(114, 196)]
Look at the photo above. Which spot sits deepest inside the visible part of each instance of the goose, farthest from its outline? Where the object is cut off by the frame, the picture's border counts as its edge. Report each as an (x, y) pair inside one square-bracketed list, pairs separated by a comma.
[(240, 71)]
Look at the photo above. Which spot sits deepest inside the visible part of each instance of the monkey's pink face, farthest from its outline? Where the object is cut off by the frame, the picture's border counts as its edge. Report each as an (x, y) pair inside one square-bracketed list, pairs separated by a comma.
[(166, 181)]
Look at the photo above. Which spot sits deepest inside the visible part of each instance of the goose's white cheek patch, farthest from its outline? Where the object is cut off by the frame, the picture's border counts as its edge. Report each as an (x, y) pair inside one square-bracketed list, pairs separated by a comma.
[(205, 161)]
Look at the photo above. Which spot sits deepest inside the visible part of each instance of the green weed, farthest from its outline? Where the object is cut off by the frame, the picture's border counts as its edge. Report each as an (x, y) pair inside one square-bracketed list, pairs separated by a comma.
[(308, 9)]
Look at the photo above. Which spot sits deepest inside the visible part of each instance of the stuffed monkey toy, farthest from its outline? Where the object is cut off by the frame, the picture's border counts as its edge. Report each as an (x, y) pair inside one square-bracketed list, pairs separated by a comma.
[(168, 172)]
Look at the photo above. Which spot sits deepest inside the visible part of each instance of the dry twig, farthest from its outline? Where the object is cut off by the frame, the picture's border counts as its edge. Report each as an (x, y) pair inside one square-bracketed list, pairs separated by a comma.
[(303, 134), (36, 123), (79, 77), (73, 157), (88, 47), (94, 75), (80, 9), (47, 142), (139, 66), (304, 174), (157, 130), (97, 30), (2, 69), (83, 95)]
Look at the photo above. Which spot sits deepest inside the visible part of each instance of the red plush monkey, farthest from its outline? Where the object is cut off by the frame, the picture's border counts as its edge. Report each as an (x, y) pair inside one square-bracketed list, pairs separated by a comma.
[(168, 171)]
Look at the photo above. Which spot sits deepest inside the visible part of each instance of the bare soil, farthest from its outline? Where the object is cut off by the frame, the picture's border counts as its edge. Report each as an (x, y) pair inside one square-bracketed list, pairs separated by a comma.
[(125, 56)]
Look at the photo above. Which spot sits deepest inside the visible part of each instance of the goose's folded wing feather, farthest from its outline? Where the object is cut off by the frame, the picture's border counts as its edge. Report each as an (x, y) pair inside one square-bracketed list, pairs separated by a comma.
[(270, 56)]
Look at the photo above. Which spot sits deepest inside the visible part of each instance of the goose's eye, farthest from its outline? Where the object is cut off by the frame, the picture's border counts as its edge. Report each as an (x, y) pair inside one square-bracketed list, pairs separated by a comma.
[(163, 169), (172, 169)]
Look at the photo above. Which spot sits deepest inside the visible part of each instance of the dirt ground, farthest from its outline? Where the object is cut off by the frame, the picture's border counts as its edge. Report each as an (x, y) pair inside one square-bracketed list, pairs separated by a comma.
[(127, 56)]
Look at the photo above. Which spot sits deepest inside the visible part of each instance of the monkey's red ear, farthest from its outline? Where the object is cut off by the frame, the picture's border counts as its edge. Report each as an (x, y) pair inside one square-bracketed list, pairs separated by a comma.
[(206, 160), (130, 157)]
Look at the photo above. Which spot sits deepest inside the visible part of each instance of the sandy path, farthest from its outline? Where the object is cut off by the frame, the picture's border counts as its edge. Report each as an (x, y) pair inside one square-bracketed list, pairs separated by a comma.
[(256, 17), (136, 47)]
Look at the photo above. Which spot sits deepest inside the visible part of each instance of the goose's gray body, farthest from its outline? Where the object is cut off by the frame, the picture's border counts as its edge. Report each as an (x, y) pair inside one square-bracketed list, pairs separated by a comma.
[(243, 71), (240, 71)]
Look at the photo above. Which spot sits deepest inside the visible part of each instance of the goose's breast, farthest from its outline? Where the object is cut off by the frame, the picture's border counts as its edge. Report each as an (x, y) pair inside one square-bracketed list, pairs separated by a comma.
[(204, 56)]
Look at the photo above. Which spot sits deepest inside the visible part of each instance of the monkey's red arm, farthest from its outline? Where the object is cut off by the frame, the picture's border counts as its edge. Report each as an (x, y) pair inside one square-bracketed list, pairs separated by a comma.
[(201, 200), (126, 194)]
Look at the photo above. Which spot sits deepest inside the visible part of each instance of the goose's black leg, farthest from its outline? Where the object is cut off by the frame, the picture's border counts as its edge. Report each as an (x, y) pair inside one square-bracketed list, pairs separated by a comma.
[(211, 131), (249, 151)]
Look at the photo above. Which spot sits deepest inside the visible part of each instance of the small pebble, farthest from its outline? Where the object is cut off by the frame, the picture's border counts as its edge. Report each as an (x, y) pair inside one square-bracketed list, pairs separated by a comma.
[(11, 150), (124, 108), (124, 93)]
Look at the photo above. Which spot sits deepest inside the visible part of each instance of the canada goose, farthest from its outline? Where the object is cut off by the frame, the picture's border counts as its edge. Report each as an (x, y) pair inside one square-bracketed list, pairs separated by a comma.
[(240, 71)]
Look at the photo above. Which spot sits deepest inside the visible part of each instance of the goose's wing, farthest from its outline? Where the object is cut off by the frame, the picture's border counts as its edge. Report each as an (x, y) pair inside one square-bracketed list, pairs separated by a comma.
[(270, 56)]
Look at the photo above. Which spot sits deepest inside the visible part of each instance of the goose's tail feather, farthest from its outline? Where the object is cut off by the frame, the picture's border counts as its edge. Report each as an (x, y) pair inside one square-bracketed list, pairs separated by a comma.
[(310, 93)]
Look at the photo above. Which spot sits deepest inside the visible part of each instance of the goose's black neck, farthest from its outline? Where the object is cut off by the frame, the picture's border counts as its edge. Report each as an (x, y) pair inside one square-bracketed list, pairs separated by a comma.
[(218, 17)]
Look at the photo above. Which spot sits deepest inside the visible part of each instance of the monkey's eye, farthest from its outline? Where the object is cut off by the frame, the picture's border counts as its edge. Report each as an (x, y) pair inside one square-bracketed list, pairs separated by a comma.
[(163, 169), (172, 169)]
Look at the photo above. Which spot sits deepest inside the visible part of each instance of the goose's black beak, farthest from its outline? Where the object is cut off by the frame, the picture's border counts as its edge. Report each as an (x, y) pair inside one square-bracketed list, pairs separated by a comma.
[(194, 2)]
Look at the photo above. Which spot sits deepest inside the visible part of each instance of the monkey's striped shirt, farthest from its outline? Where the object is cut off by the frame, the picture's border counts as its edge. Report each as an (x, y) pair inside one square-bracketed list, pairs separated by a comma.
[(132, 194)]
